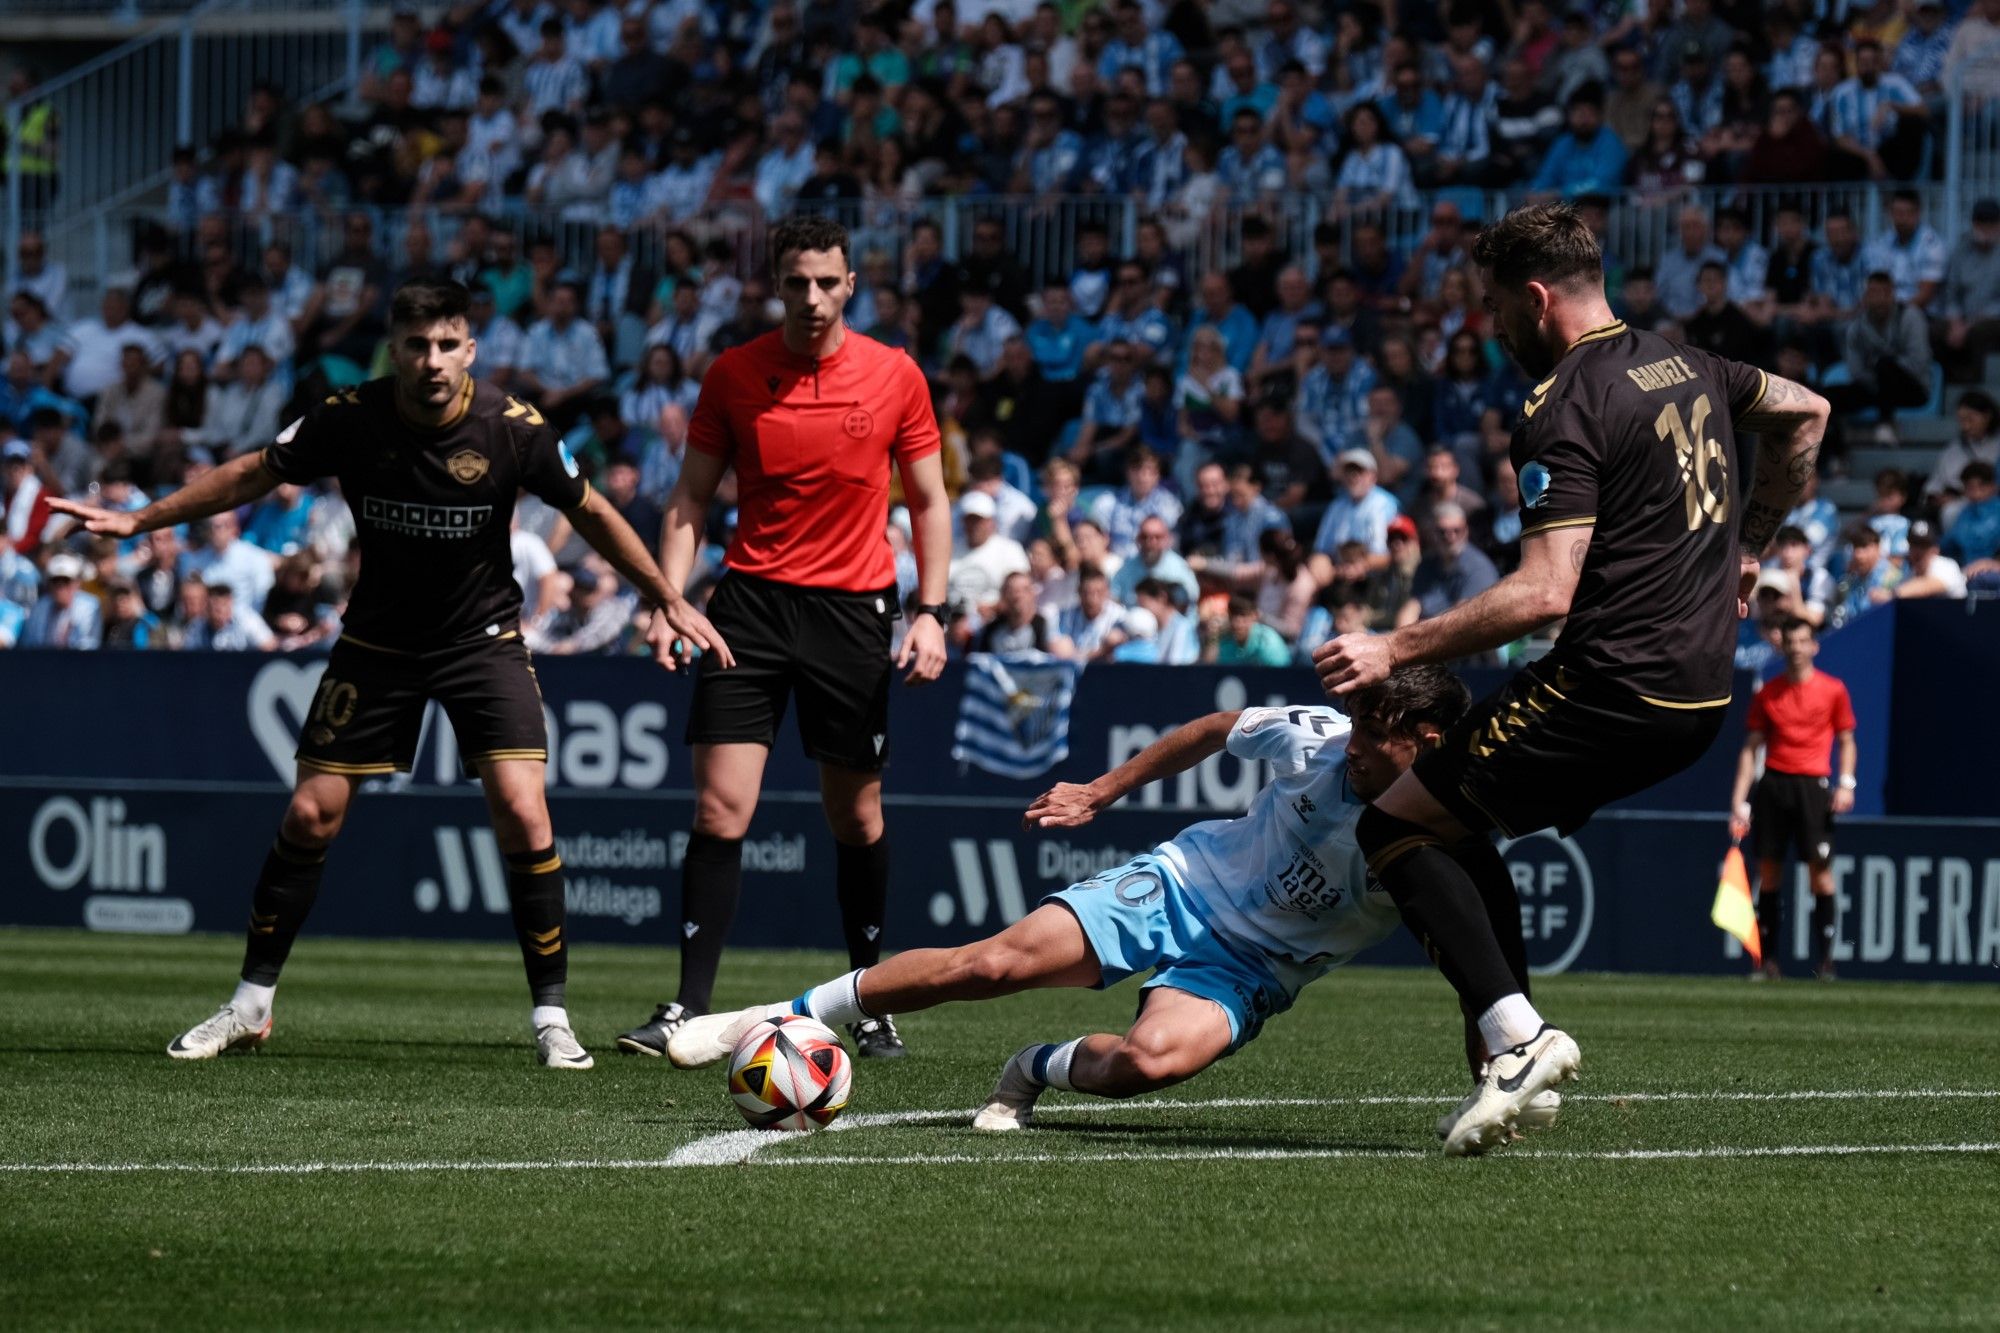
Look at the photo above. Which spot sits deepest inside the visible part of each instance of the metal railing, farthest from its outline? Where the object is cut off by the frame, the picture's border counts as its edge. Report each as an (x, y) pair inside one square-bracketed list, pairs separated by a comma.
[(107, 130)]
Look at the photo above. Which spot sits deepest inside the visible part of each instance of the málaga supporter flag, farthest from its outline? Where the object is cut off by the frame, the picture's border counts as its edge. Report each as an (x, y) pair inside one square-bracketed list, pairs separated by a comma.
[(1013, 719), (1733, 910)]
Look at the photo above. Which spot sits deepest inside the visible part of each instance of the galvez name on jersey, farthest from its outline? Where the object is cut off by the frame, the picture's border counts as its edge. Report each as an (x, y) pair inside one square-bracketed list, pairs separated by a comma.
[(432, 506)]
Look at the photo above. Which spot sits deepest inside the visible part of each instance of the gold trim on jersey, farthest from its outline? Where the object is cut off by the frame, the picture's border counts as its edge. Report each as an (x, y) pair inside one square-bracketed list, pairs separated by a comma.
[(1466, 791), (1763, 387), (1683, 704), (1602, 331), (578, 508), (1585, 521), (350, 770), (375, 647)]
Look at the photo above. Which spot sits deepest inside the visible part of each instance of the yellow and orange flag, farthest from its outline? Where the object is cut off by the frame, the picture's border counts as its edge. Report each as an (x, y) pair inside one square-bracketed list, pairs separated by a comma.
[(1734, 911)]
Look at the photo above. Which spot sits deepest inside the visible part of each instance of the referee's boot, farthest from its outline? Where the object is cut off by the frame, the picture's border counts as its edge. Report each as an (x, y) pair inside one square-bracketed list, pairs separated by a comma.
[(877, 1039), (651, 1037)]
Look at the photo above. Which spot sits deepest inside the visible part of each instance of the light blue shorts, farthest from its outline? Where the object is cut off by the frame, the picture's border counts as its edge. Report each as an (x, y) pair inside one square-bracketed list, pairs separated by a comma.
[(1138, 915)]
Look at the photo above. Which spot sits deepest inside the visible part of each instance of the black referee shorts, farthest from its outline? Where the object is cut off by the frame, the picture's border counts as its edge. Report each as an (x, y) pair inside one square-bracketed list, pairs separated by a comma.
[(829, 648), (1792, 810), (368, 713), (1552, 746)]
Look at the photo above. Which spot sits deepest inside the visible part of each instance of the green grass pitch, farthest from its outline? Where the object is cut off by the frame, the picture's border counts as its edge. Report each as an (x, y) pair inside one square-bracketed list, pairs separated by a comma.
[(1271, 1192)]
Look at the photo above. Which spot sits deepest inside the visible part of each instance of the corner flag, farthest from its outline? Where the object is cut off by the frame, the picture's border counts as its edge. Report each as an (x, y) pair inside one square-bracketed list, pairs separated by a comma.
[(1733, 910)]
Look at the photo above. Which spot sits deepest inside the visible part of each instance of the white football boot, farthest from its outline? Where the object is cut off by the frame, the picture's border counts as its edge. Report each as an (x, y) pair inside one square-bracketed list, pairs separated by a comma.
[(1513, 1079), (1540, 1112), (225, 1030), (703, 1041), (557, 1047), (1012, 1103)]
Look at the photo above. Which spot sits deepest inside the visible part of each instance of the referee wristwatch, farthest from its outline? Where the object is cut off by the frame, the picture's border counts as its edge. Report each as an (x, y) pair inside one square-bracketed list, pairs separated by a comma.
[(938, 611)]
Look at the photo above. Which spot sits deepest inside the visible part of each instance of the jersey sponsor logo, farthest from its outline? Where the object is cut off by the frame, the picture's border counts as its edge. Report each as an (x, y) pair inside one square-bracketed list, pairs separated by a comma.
[(1534, 481), (858, 423), (413, 519), (1558, 898), (467, 465), (568, 460), (517, 408)]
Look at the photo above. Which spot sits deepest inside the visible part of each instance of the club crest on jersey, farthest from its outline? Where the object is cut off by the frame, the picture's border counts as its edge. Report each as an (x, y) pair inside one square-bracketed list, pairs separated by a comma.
[(467, 465), (1534, 481), (859, 423), (568, 459)]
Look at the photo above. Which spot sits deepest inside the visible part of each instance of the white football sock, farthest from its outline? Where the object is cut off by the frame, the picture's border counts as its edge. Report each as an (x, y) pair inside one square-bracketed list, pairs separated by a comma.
[(1511, 1022), (1051, 1064), (834, 1002), (548, 1016), (252, 1001)]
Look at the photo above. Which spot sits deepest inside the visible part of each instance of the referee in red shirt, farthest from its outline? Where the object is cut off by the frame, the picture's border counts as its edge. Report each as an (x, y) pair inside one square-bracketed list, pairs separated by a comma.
[(810, 415), (1795, 719)]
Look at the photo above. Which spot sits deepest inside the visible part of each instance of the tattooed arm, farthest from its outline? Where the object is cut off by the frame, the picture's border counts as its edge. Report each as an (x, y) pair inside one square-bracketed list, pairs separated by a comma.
[(1527, 599), (1789, 420)]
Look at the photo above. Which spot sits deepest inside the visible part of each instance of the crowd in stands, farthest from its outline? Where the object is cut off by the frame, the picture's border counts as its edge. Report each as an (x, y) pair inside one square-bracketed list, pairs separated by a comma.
[(1152, 458)]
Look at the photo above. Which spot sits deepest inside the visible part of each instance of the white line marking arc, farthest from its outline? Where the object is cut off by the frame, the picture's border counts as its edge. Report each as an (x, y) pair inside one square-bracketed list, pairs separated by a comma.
[(741, 1147)]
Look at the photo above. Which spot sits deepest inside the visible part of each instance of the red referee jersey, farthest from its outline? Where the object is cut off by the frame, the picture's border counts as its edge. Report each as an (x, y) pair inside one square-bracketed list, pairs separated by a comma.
[(811, 439), (1799, 722)]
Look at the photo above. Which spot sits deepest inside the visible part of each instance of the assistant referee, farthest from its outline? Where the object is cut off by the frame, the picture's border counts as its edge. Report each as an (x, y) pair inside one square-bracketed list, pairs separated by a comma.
[(810, 415), (1794, 719)]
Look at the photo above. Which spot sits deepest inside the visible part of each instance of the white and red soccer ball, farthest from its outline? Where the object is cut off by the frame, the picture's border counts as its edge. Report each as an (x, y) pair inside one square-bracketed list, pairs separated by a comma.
[(791, 1073)]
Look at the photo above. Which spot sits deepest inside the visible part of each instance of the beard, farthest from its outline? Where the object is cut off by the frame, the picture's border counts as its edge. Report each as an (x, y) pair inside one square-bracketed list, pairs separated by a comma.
[(1530, 353)]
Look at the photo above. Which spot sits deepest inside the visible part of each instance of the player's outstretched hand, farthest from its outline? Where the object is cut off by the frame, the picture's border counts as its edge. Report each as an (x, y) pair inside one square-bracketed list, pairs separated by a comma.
[(1746, 585), (106, 522), (677, 632), (923, 651), (1065, 805), (1352, 662)]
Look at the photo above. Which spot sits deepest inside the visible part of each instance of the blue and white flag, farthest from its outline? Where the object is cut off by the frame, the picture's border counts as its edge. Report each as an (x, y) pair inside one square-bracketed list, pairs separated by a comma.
[(1013, 719)]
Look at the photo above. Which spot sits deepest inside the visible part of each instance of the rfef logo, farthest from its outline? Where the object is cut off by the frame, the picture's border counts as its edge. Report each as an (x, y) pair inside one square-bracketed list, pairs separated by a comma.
[(1558, 898)]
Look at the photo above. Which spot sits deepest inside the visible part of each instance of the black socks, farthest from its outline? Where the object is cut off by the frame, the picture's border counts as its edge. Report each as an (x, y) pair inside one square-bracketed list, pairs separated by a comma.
[(286, 888), (711, 884), (861, 880)]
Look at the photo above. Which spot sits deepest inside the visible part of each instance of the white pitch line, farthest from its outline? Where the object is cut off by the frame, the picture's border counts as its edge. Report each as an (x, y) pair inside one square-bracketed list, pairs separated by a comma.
[(742, 1146)]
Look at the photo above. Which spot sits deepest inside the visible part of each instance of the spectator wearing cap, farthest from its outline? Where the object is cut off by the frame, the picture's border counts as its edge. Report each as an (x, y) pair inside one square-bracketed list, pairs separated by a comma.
[(1969, 304), (1888, 355), (1588, 158), (1773, 602), (1910, 252), (1155, 561), (1333, 400), (226, 624), (66, 616), (1973, 535), (978, 570), (1868, 579), (1930, 572), (1361, 511)]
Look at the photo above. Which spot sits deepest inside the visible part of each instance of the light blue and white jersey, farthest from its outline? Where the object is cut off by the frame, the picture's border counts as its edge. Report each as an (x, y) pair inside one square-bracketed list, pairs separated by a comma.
[(1150, 329), (1262, 173), (1840, 279), (1919, 58), (1159, 169), (1383, 170), (1287, 877), (1747, 270), (1919, 259), (1153, 57), (1854, 108), (1332, 410), (1056, 167)]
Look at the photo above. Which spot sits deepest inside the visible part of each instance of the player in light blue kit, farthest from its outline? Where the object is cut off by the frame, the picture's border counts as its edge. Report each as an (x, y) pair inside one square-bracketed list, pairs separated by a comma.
[(1235, 916)]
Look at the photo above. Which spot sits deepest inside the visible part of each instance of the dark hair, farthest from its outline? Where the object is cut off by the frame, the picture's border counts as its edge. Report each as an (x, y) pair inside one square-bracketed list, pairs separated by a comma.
[(1906, 195), (1153, 588), (1411, 697), (1713, 266), (1863, 535), (1090, 569), (427, 300), (1789, 534), (1545, 243), (984, 468), (1790, 623), (1977, 470), (808, 231), (1982, 402), (1138, 455), (1239, 605), (1281, 551)]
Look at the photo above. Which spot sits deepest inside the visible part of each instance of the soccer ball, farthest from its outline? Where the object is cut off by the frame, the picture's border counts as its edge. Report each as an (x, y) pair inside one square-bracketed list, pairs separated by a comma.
[(789, 1073)]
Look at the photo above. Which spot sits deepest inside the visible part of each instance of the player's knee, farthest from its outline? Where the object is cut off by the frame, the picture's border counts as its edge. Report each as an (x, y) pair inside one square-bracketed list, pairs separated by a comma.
[(311, 822), (856, 828), (722, 814), (1384, 838), (521, 820)]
